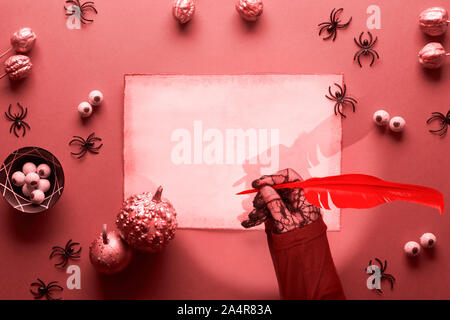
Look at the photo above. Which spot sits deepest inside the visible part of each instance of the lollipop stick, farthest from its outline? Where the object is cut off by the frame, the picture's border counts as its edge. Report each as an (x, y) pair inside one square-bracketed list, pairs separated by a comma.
[(1, 56), (1, 77)]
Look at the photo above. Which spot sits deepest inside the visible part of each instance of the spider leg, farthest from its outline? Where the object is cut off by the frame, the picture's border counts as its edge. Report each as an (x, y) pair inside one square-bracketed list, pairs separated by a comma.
[(20, 114), (321, 29), (444, 131), (379, 291), (331, 14), (436, 117), (82, 153), (329, 98), (370, 37), (339, 109), (380, 264), (373, 57), (78, 153), (340, 89), (15, 131), (350, 102), (324, 23), (336, 12), (359, 61), (9, 117), (26, 125), (329, 91), (56, 252), (333, 32), (89, 6), (356, 55), (77, 139), (345, 91), (345, 24)]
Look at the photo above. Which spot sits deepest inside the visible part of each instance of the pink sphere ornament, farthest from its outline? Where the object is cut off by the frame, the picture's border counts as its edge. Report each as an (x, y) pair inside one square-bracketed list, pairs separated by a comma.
[(411, 248), (434, 21), (18, 179), (22, 41), (432, 56), (17, 67), (108, 253), (147, 222), (26, 190), (183, 10), (250, 10)]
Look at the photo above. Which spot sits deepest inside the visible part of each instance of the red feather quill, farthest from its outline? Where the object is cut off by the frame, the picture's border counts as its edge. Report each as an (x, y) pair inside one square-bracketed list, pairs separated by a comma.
[(361, 191)]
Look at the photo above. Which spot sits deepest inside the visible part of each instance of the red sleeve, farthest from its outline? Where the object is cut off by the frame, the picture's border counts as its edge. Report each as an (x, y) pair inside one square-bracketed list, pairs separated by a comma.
[(303, 263)]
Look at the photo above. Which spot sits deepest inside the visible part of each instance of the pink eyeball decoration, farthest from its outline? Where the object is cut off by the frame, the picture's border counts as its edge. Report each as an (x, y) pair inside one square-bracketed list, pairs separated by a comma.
[(23, 40), (381, 118), (432, 56), (434, 21), (17, 67), (32, 179), (18, 179), (183, 10), (43, 185), (37, 196), (412, 249), (85, 109), (43, 170), (26, 190), (28, 167), (95, 98), (250, 10), (427, 240), (397, 124)]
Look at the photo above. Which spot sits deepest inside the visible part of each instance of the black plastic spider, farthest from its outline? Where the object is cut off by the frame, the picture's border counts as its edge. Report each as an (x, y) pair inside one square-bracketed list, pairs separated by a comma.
[(86, 145), (366, 48), (17, 119), (333, 24), (66, 253), (341, 99), (44, 290), (445, 121), (383, 275), (83, 8)]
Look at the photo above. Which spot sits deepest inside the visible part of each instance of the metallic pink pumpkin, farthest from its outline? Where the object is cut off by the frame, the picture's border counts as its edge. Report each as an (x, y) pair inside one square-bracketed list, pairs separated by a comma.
[(250, 10), (108, 253), (147, 222), (434, 21), (432, 56), (183, 10), (18, 67), (23, 40)]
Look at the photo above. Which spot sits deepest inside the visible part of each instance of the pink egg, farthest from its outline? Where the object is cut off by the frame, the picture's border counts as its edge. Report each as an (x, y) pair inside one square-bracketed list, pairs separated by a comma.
[(37, 197), (18, 179)]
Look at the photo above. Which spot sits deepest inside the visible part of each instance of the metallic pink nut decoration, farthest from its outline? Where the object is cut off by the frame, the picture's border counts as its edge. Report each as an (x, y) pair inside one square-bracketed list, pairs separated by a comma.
[(250, 10), (183, 10), (18, 67), (23, 40), (432, 56), (434, 21)]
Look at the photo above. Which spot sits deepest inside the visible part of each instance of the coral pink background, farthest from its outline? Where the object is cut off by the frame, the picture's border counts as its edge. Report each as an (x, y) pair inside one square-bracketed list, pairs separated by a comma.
[(140, 36)]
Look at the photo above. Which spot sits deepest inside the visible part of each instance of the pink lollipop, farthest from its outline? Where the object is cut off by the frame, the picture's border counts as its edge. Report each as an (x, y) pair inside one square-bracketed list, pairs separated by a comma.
[(434, 21), (22, 41), (433, 55), (17, 67)]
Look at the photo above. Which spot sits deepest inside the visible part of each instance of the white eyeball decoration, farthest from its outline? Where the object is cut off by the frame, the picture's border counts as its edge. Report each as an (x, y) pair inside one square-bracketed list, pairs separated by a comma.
[(18, 179), (397, 124), (428, 240), (95, 98), (412, 248), (85, 109), (381, 118)]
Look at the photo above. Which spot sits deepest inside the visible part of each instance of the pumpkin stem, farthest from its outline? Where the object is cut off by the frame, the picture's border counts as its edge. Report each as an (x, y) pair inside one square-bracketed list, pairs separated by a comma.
[(104, 236), (157, 196)]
